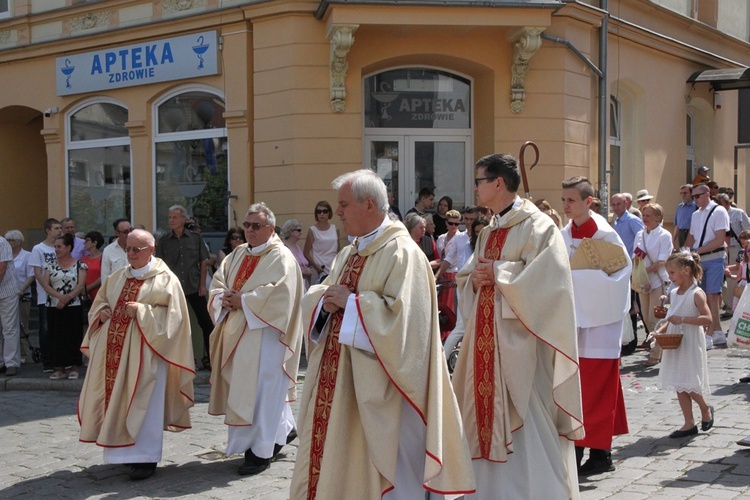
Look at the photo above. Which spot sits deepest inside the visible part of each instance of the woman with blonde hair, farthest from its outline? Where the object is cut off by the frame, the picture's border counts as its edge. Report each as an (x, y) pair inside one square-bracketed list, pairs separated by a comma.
[(322, 242)]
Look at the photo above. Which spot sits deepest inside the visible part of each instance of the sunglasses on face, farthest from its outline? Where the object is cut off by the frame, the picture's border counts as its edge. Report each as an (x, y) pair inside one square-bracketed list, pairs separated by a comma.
[(453, 223), (322, 211), (696, 196), (297, 229), (255, 225), (135, 249), (236, 237), (126, 231)]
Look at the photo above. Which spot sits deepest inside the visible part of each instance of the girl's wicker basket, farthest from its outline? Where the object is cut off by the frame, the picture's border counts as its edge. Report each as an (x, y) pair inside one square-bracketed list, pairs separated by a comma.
[(660, 311), (668, 340)]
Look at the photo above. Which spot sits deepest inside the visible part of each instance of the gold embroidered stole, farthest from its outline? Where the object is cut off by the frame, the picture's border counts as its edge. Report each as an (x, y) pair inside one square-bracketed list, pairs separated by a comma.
[(249, 263), (118, 326), (328, 371), (484, 350)]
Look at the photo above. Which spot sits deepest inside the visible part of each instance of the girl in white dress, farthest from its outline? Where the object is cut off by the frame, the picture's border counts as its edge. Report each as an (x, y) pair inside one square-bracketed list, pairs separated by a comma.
[(685, 369)]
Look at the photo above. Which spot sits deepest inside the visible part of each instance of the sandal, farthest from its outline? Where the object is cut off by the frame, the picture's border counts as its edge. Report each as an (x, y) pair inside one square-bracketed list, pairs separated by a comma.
[(58, 375), (73, 375), (651, 362)]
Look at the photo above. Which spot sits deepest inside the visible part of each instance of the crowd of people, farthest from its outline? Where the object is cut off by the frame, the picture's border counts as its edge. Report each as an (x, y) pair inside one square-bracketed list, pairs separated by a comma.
[(530, 392)]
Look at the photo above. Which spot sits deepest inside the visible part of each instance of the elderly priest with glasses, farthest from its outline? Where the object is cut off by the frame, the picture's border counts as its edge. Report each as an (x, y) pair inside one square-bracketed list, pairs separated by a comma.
[(141, 369), (255, 347)]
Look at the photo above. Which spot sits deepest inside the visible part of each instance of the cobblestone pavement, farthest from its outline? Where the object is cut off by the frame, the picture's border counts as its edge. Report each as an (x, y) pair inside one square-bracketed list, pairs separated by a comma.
[(42, 457)]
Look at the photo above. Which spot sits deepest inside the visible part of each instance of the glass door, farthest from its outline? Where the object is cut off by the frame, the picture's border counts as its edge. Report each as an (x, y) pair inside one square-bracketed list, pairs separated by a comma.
[(409, 163)]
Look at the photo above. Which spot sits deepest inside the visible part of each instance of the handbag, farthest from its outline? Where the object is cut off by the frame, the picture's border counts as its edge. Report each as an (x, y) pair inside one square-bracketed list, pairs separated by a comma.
[(739, 328), (639, 280)]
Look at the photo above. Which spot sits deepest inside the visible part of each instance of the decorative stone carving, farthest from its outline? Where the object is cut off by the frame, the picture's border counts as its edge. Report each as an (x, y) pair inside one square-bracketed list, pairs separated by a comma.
[(342, 38), (89, 21), (526, 42), (4, 36), (172, 6)]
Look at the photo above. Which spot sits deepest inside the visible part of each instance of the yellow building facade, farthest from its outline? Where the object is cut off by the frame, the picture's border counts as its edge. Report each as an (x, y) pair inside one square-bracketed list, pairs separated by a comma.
[(122, 108)]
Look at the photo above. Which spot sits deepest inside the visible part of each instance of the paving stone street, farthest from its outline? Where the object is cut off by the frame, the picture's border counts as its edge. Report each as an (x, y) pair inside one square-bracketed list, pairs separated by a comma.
[(42, 457)]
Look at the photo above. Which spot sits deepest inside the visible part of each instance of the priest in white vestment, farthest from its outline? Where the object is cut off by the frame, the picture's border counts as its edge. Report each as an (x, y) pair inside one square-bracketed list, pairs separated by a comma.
[(254, 300), (517, 379), (140, 376), (378, 417), (602, 303)]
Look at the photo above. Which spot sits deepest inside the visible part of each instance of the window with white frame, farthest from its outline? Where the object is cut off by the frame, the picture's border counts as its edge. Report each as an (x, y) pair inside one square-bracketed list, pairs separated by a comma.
[(191, 166), (5, 8), (98, 159), (615, 144)]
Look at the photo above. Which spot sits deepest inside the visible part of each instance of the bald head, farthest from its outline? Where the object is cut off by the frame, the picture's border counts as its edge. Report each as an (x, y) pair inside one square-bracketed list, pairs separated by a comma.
[(619, 204)]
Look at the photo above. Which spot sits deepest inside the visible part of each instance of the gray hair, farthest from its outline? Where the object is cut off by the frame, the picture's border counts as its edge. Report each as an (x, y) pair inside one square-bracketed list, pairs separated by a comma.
[(180, 208), (365, 184), (628, 197), (14, 234), (262, 208), (412, 220), (429, 219), (288, 227), (144, 235)]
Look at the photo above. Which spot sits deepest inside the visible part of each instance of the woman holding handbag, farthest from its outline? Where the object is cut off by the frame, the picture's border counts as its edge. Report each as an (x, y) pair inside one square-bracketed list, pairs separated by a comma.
[(653, 245)]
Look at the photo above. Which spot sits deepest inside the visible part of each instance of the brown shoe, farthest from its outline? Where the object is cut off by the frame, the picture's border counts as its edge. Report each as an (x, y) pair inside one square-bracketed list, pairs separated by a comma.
[(11, 371)]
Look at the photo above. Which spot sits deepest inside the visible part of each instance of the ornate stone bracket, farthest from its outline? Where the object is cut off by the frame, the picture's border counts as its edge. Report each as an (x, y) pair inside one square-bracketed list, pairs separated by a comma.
[(526, 42), (342, 39)]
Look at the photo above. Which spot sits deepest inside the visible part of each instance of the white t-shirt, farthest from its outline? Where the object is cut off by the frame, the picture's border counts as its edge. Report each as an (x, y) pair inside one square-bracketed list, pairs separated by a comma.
[(42, 255), (719, 221)]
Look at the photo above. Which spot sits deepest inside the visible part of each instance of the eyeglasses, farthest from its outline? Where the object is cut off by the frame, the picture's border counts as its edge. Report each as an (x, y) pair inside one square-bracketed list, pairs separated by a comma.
[(135, 249), (297, 229), (322, 211), (236, 237), (696, 196), (453, 223), (476, 181), (255, 225), (126, 231)]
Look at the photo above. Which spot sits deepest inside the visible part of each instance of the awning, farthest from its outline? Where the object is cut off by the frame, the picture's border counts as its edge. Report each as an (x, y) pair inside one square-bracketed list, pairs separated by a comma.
[(723, 79)]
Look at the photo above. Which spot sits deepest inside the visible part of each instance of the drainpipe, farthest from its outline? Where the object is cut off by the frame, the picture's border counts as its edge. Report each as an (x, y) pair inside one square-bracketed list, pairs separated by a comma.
[(603, 100)]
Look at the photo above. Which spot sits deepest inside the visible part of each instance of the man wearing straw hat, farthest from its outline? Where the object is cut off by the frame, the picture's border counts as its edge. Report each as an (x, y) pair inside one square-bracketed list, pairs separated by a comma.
[(517, 379), (602, 302)]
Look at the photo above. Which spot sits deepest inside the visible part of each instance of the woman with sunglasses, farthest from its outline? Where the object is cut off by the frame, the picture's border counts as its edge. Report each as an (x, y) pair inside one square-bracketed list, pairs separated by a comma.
[(291, 233), (322, 242), (234, 238)]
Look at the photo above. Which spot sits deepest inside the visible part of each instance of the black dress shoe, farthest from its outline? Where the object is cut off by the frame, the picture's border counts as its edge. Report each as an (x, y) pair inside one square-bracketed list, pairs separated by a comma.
[(253, 464), (681, 434), (599, 461), (707, 425), (142, 471), (745, 379)]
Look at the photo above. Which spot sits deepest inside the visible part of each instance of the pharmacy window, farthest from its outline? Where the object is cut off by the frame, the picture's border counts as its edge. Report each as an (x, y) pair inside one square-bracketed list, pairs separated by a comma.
[(192, 158), (99, 165)]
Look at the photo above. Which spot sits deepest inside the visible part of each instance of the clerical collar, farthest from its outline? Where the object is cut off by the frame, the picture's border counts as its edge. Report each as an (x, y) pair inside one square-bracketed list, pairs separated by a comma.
[(585, 230), (257, 250), (499, 219), (363, 241), (140, 272)]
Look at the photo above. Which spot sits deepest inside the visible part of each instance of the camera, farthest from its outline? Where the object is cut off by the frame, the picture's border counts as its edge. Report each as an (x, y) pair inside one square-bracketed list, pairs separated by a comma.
[(50, 111)]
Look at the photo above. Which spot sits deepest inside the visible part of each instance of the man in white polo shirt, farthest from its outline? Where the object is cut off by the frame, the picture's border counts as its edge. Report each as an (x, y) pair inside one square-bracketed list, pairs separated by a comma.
[(708, 229)]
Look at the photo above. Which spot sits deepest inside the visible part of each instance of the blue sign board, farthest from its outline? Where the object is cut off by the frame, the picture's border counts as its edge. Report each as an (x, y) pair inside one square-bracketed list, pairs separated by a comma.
[(164, 60)]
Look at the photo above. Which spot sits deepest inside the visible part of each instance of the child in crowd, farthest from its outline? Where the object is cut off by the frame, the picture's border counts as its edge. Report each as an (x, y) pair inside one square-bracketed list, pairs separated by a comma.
[(739, 271), (685, 369)]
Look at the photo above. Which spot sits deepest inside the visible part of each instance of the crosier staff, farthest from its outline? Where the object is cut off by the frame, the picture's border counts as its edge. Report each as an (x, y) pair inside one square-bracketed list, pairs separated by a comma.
[(523, 166)]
